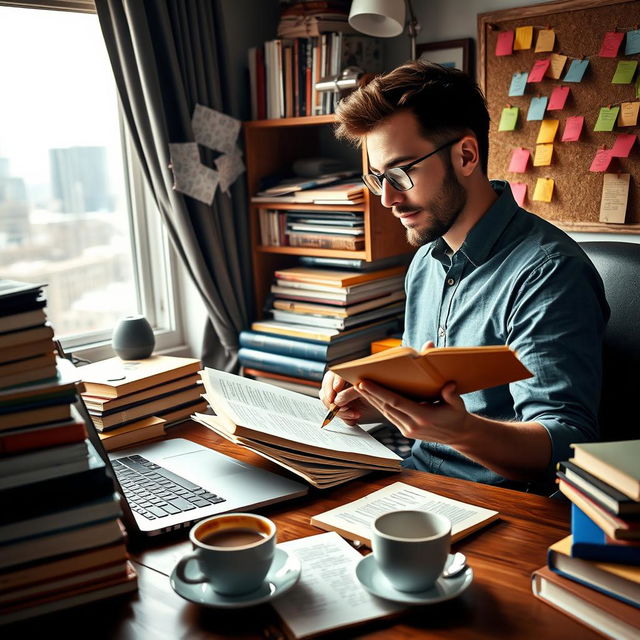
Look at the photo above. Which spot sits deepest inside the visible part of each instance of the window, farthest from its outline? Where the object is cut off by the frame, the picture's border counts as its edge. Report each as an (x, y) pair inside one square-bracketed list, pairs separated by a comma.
[(73, 211)]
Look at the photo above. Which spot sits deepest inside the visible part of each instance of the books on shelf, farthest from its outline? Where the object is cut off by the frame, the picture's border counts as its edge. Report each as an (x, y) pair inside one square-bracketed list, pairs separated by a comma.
[(354, 519), (325, 241), (423, 374), (297, 183), (284, 427), (353, 263), (335, 278)]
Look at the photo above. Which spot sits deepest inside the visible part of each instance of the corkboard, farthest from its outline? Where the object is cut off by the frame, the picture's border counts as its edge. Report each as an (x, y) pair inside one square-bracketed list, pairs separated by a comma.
[(579, 27)]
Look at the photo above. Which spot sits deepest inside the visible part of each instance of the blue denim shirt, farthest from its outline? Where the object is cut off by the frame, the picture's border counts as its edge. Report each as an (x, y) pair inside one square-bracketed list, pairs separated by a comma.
[(516, 280)]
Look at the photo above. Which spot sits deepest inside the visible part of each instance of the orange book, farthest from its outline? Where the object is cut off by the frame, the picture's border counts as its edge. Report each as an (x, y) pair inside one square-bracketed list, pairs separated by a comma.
[(335, 277), (383, 345)]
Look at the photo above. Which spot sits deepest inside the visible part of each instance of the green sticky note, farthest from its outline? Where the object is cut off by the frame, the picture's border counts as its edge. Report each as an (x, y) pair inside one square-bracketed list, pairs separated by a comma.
[(638, 87), (607, 119), (508, 119), (624, 72)]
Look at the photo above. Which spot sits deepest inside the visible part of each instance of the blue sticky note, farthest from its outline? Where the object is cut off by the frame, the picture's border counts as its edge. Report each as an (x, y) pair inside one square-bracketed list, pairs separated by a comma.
[(632, 44), (518, 84), (576, 71), (537, 107)]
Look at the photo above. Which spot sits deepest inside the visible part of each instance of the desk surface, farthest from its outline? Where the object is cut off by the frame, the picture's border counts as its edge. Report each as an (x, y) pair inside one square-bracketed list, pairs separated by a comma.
[(499, 603)]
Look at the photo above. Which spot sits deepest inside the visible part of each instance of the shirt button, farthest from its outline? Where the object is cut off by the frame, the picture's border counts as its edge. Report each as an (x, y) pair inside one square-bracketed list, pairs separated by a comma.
[(451, 281), (441, 331)]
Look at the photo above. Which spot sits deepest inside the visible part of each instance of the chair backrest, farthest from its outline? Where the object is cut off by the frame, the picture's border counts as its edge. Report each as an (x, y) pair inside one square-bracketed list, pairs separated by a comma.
[(619, 266)]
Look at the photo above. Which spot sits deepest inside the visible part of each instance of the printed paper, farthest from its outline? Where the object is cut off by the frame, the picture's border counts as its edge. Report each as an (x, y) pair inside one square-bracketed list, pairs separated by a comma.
[(190, 176), (544, 153), (546, 40), (628, 116), (558, 98), (230, 166), (623, 144), (610, 44), (624, 72), (508, 119), (544, 190), (557, 65), (548, 130), (504, 44), (523, 38), (632, 43), (576, 71), (519, 190), (615, 196), (214, 129), (519, 160), (537, 107), (518, 83), (607, 118), (573, 129), (538, 70), (601, 160)]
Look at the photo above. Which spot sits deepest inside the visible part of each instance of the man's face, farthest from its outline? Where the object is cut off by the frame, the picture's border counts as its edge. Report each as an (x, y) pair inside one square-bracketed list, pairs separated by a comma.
[(431, 207)]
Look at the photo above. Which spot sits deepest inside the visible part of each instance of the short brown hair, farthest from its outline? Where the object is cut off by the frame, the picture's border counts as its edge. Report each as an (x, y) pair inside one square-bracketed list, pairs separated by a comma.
[(446, 102)]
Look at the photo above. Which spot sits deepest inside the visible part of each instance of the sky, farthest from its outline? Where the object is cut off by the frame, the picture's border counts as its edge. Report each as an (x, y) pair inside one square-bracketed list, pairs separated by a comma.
[(56, 88)]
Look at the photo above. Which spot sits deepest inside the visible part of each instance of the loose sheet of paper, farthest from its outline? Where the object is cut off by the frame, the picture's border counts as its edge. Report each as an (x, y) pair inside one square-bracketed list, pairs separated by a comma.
[(615, 195), (328, 595), (214, 129), (190, 176), (230, 166)]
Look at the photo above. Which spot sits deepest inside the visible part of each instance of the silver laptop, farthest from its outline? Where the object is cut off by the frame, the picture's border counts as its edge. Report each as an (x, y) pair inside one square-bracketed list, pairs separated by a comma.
[(170, 484)]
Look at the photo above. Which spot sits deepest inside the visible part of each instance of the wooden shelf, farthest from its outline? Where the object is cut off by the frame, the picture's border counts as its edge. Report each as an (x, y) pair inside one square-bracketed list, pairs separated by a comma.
[(305, 251)]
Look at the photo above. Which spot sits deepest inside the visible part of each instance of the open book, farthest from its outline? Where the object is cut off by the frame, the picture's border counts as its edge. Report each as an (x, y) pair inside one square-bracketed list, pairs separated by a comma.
[(284, 426), (423, 374), (354, 519)]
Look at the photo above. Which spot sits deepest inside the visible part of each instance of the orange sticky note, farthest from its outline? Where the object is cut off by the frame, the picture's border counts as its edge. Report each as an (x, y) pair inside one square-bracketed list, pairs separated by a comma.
[(573, 129), (546, 40), (628, 116), (623, 144), (538, 70), (601, 160), (523, 38), (547, 132), (519, 191), (610, 44), (558, 98), (615, 196), (544, 190), (519, 160), (504, 44), (557, 62), (544, 153)]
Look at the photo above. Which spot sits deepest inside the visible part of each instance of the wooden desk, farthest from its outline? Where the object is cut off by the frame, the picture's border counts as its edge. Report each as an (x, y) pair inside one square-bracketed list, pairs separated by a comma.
[(499, 603)]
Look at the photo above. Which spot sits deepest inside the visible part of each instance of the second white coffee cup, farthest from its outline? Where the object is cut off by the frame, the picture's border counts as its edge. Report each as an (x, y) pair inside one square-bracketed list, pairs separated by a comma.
[(411, 548)]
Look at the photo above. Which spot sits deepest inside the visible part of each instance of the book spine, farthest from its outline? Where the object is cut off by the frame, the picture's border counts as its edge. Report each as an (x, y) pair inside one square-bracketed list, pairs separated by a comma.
[(325, 242), (17, 442), (285, 365), (261, 94), (282, 346), (307, 319)]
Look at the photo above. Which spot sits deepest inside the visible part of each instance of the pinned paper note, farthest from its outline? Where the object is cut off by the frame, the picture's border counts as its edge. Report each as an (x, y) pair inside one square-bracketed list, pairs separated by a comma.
[(508, 119), (558, 98), (214, 129), (523, 38), (504, 44), (610, 44), (628, 116), (537, 107), (556, 66), (544, 190), (623, 144), (632, 43), (519, 160), (519, 191), (625, 71), (547, 132), (544, 153), (546, 40), (576, 71), (518, 83), (538, 70), (573, 129), (190, 176), (601, 160), (607, 118), (638, 86), (230, 166), (615, 196)]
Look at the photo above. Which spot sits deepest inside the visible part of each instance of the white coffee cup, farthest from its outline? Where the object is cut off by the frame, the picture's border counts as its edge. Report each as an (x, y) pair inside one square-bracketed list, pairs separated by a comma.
[(234, 552), (411, 548)]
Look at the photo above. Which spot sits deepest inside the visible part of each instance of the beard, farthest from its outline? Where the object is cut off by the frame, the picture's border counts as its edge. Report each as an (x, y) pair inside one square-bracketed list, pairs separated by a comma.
[(443, 210)]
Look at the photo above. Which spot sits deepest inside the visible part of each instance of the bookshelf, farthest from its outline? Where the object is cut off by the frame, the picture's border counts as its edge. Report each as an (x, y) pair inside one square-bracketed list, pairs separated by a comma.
[(272, 146)]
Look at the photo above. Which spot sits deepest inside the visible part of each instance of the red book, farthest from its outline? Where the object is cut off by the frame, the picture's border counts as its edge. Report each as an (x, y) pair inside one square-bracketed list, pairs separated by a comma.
[(42, 437)]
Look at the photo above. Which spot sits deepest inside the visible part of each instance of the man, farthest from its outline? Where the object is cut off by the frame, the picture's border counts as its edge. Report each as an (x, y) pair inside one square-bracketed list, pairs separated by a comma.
[(486, 272)]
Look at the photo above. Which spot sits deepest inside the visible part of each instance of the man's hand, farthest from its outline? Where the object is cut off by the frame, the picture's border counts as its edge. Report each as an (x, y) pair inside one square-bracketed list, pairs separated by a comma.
[(353, 409)]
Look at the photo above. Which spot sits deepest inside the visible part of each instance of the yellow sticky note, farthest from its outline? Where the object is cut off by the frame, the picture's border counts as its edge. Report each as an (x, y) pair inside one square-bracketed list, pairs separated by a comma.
[(524, 36), (548, 130), (615, 196), (628, 116), (556, 66), (546, 40), (544, 190), (543, 155)]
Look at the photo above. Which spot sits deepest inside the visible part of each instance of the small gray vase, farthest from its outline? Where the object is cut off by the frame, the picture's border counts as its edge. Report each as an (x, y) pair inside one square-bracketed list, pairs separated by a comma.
[(133, 338)]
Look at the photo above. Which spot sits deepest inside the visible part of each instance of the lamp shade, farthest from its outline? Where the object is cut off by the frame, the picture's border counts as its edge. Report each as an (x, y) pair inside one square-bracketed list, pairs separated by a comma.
[(381, 18)]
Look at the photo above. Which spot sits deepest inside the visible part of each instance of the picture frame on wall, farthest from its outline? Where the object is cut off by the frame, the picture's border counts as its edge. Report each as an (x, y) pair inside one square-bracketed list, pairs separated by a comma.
[(448, 53)]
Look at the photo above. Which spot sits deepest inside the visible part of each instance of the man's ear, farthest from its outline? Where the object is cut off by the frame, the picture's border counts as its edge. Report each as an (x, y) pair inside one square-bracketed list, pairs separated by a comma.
[(468, 155)]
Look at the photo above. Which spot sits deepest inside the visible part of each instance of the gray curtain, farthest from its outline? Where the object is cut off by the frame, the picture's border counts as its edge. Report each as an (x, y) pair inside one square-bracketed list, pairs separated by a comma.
[(167, 55)]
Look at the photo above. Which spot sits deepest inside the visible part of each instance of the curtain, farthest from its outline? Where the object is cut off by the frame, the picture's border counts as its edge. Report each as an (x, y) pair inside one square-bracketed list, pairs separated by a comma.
[(167, 56)]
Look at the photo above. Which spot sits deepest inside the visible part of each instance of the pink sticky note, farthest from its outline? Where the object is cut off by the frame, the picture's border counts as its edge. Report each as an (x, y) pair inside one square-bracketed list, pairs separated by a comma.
[(538, 70), (572, 129), (611, 44), (601, 160), (558, 98), (622, 146), (519, 160), (504, 45), (519, 190)]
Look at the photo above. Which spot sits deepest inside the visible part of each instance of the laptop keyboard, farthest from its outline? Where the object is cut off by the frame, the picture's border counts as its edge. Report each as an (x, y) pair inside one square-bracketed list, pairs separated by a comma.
[(155, 492)]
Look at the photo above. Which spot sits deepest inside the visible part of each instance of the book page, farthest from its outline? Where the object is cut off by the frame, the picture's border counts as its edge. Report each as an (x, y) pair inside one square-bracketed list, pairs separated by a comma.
[(328, 596), (354, 520), (285, 414)]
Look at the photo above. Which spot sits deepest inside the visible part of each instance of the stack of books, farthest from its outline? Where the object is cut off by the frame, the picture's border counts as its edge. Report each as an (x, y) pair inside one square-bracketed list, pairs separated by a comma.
[(61, 542), (321, 317), (347, 192), (593, 575), (134, 400)]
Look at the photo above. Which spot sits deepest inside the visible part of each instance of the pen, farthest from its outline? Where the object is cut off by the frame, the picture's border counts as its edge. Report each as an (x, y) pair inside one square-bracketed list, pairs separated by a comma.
[(333, 410)]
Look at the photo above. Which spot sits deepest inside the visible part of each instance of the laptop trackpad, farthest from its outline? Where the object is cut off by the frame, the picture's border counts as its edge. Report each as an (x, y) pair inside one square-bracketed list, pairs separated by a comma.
[(200, 466)]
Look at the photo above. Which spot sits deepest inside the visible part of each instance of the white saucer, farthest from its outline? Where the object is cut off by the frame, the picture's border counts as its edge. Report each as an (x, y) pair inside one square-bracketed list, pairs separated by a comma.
[(374, 582), (283, 575)]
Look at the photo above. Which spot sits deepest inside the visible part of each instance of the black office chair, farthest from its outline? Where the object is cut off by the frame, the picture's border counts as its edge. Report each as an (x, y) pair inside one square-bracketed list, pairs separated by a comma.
[(619, 266)]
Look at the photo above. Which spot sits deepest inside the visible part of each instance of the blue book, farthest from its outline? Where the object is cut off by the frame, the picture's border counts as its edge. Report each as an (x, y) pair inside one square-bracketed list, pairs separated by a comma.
[(590, 542), (284, 365)]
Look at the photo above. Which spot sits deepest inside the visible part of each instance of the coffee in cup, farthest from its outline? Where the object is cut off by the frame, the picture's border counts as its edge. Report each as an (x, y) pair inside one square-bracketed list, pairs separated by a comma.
[(411, 548), (234, 552)]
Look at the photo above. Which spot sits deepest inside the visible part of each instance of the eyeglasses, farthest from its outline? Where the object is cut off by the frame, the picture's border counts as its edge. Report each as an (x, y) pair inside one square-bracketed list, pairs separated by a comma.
[(398, 177)]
